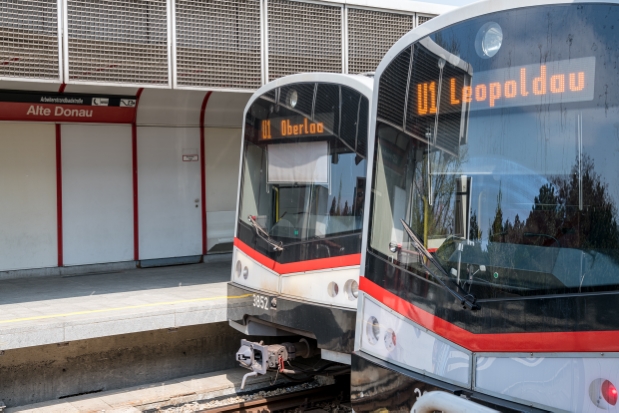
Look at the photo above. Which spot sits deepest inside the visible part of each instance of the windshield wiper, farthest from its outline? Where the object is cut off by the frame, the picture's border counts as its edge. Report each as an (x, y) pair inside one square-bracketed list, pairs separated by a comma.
[(467, 301), (262, 233)]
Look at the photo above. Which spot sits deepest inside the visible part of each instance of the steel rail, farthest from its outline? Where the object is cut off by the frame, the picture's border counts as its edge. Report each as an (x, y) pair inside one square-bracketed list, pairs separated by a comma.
[(282, 402)]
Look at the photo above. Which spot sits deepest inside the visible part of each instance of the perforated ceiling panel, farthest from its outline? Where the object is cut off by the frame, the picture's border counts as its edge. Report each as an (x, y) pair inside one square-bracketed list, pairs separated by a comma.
[(118, 41), (29, 39), (423, 19), (218, 43), (304, 37), (371, 34)]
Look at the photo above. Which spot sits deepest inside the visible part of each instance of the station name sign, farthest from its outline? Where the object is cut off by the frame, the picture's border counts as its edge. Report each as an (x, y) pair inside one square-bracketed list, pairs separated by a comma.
[(292, 127), (562, 81), (66, 107)]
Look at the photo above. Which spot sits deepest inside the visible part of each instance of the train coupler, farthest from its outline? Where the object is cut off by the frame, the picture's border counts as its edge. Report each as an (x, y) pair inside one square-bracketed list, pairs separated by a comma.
[(260, 358)]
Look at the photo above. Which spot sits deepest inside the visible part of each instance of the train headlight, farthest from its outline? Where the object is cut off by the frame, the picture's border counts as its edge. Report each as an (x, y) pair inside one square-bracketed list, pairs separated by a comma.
[(603, 393), (293, 98), (372, 330), (609, 392), (245, 272), (488, 40), (238, 268), (390, 339), (352, 289), (418, 349), (333, 289)]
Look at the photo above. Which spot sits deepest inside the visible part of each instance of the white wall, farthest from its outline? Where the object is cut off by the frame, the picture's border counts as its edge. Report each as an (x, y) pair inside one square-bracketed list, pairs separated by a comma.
[(169, 192), (163, 107), (98, 183), (225, 110), (222, 154), (28, 237), (97, 193)]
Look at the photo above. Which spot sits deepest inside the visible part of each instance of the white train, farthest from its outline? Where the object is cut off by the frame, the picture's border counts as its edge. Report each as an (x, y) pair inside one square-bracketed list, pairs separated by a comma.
[(490, 270), (297, 245)]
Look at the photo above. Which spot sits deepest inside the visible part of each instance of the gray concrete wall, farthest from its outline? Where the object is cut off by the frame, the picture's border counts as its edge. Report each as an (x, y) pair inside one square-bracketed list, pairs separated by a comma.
[(110, 267), (35, 374)]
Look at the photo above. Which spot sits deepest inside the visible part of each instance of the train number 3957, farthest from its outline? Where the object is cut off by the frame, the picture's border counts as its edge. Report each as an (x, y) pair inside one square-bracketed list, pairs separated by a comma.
[(261, 301)]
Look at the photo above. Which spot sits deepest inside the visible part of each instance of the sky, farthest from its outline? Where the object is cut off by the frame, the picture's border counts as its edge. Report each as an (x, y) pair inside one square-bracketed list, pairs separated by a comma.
[(451, 2)]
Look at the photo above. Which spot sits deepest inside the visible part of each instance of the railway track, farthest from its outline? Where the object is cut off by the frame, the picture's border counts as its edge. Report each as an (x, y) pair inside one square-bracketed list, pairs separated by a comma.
[(311, 400), (306, 397)]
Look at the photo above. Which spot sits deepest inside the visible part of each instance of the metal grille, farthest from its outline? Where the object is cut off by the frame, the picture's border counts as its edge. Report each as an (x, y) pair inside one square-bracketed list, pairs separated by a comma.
[(371, 34), (218, 43), (423, 19), (392, 90), (304, 37), (118, 41), (29, 39)]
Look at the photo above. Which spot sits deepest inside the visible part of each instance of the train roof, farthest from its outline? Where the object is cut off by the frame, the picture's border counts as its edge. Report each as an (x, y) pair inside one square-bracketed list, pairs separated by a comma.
[(467, 12), (361, 83)]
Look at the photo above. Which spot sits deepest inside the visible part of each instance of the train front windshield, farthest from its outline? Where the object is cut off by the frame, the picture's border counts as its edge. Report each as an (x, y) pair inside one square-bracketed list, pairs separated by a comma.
[(304, 169), (497, 148)]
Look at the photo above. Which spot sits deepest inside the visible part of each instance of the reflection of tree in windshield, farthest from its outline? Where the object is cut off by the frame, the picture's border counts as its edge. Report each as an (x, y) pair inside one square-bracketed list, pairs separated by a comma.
[(596, 224), (452, 45), (568, 242), (557, 218), (336, 205), (437, 220), (573, 221), (475, 233), (496, 232)]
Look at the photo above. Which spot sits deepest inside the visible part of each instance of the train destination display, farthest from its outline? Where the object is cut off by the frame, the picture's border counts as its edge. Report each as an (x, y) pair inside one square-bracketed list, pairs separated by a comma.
[(562, 81), (293, 127)]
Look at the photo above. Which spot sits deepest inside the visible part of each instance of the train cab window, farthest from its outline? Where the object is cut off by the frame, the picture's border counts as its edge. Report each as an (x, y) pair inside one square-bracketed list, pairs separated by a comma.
[(504, 166), (304, 168)]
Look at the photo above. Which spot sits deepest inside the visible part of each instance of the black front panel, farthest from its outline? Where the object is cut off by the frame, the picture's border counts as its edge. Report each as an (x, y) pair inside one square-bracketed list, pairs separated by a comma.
[(344, 244), (496, 144), (377, 385), (537, 314), (304, 172), (334, 328)]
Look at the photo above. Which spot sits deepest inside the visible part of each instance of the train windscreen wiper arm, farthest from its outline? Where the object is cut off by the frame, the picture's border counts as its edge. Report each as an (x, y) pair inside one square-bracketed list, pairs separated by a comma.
[(468, 301), (262, 233)]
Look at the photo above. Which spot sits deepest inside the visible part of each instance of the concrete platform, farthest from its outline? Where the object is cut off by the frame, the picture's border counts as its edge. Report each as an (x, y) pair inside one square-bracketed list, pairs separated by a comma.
[(46, 310), (153, 396)]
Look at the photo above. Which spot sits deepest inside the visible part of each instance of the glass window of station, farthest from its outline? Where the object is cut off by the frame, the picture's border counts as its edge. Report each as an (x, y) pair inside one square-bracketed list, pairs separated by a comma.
[(304, 172), (497, 148)]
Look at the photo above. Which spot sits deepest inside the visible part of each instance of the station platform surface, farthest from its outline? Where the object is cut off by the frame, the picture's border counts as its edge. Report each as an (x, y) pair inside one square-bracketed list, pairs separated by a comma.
[(47, 310)]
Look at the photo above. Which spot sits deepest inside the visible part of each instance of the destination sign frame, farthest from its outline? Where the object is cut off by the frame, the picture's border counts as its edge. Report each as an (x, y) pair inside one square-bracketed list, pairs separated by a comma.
[(297, 126), (563, 81)]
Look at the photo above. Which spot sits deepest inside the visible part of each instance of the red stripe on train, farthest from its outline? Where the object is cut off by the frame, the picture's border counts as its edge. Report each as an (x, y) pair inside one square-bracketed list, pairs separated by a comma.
[(569, 341), (300, 266)]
